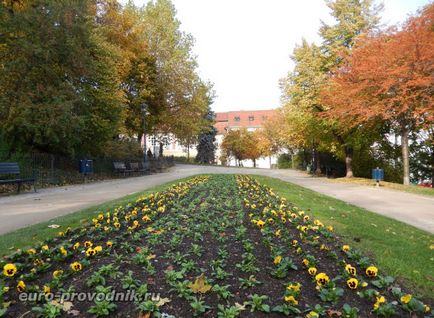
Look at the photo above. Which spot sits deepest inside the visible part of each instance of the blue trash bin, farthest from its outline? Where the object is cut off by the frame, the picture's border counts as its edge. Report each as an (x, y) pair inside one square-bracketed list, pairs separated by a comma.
[(86, 166)]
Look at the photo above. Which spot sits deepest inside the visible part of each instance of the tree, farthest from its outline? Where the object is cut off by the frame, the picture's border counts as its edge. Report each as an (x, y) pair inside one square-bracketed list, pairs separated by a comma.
[(388, 77), (123, 28), (206, 142), (301, 88), (60, 90), (243, 144)]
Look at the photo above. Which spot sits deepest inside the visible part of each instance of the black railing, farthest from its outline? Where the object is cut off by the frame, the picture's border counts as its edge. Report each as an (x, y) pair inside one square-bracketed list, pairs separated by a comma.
[(50, 169)]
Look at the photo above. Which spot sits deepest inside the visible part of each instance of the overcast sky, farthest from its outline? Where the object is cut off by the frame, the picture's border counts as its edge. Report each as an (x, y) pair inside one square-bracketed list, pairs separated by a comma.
[(243, 46)]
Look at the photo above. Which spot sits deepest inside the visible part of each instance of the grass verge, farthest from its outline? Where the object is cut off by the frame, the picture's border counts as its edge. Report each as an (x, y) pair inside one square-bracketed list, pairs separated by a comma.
[(388, 185), (401, 250), (29, 236)]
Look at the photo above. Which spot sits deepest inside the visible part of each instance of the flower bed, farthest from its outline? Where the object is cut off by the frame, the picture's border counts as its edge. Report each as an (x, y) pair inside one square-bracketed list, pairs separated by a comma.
[(219, 246)]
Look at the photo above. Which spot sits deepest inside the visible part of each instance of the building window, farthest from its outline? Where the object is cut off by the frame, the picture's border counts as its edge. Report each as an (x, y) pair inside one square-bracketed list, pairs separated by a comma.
[(251, 118), (237, 118)]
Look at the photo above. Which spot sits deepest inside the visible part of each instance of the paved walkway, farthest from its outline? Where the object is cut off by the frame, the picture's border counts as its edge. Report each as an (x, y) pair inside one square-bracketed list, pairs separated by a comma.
[(18, 211)]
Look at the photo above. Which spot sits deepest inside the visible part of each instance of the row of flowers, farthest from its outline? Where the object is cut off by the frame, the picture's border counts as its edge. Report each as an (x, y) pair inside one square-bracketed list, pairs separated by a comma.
[(290, 234), (74, 250)]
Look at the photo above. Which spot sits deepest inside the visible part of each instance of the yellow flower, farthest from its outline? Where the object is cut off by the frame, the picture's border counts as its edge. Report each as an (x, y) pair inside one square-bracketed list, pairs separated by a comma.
[(21, 286), (303, 229), (90, 252), (312, 314), (380, 299), (277, 233), (76, 246), (324, 247), (322, 279), (88, 244), (291, 299), (346, 248), (260, 223), (294, 242), (117, 225), (305, 262), (109, 243), (9, 270), (277, 260), (38, 262), (61, 233), (46, 289), (427, 309), (57, 273), (352, 283), (146, 218), (31, 251), (44, 247), (63, 251), (350, 269), (100, 216), (330, 228), (372, 271), (270, 220), (406, 298), (311, 271), (294, 287), (76, 266), (98, 248), (318, 223)]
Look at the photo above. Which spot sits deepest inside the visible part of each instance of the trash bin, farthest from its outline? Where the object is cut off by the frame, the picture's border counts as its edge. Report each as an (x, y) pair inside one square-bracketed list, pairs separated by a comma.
[(86, 166), (378, 174)]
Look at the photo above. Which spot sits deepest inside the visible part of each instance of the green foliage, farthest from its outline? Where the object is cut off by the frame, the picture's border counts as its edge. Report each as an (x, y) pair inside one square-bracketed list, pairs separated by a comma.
[(284, 161), (75, 75), (60, 89), (206, 146)]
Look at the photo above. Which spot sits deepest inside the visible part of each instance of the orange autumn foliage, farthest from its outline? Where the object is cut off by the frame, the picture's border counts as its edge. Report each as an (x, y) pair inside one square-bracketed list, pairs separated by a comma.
[(388, 76)]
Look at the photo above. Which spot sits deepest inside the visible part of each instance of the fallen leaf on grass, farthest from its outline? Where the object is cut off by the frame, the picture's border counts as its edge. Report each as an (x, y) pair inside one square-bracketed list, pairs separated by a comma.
[(332, 313), (54, 226), (240, 307), (162, 301), (152, 256), (199, 285)]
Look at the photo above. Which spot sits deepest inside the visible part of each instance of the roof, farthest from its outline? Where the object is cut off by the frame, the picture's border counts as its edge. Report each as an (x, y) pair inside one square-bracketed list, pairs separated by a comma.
[(241, 119)]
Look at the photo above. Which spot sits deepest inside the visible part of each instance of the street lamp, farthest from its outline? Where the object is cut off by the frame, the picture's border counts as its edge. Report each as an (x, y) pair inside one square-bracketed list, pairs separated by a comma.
[(144, 112)]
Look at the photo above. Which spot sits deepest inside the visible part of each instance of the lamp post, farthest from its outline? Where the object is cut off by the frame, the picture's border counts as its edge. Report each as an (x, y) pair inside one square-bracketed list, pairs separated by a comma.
[(145, 112)]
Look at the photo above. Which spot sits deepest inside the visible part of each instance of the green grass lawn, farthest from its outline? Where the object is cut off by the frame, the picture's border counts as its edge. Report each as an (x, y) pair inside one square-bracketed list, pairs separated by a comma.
[(401, 250), (27, 237), (388, 185)]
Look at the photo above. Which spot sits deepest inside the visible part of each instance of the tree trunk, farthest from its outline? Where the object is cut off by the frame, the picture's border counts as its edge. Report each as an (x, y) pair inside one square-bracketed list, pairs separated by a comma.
[(349, 151), (318, 164), (254, 163), (405, 155), (188, 153), (161, 149)]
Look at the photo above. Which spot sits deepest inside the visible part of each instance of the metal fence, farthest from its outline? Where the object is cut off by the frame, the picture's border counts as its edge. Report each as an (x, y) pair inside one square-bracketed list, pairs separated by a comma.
[(51, 169)]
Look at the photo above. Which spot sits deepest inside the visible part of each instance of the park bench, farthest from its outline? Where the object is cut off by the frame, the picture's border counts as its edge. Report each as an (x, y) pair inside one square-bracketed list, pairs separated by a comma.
[(13, 169), (137, 167), (121, 168)]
